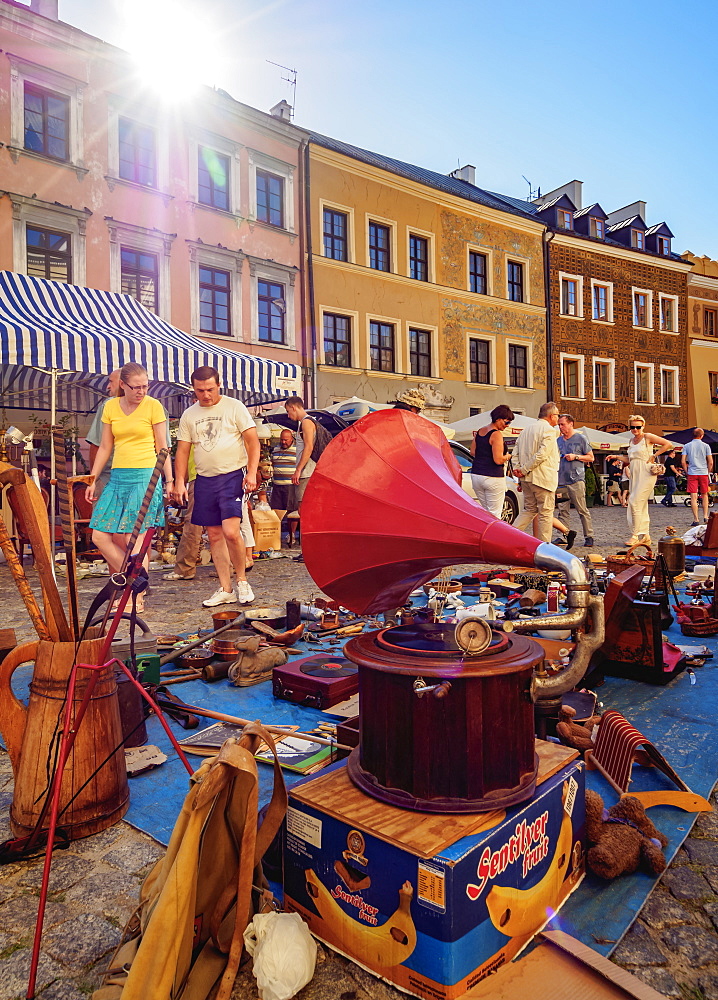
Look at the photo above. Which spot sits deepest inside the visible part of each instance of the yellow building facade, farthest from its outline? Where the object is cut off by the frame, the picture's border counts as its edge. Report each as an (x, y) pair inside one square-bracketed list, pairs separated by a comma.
[(703, 342), (421, 280)]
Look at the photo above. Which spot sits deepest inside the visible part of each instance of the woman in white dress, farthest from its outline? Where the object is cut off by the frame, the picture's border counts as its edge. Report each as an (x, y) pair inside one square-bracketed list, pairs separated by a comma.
[(640, 459)]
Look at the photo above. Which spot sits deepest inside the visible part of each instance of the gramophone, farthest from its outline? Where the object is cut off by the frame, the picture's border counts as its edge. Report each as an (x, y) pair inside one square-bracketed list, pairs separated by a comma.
[(447, 711)]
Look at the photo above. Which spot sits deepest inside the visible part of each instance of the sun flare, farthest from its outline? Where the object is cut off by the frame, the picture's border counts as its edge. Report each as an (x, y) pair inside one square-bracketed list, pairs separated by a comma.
[(174, 43)]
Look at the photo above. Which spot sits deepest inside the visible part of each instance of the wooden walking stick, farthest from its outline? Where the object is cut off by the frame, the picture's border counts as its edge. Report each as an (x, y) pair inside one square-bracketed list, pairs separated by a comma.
[(41, 551), (18, 573), (67, 520)]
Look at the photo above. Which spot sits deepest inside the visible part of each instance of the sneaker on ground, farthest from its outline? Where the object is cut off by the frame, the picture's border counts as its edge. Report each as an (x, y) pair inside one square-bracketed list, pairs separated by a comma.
[(694, 524), (176, 576), (588, 542), (220, 597), (245, 594)]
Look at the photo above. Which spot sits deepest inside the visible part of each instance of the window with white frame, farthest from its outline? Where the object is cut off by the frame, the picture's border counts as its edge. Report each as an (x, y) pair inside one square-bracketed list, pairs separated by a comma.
[(518, 365), (271, 191), (515, 281), (140, 264), (272, 295), (642, 308), (571, 288), (643, 382), (480, 361), (137, 147), (215, 291), (604, 380), (572, 376), (669, 386), (45, 114), (337, 340), (213, 178), (668, 313), (48, 240), (601, 301)]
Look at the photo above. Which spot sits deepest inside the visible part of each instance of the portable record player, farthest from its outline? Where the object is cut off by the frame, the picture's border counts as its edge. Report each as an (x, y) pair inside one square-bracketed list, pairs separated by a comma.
[(320, 680)]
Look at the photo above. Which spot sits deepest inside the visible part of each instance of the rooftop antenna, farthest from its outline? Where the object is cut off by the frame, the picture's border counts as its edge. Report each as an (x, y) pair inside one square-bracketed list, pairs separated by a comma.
[(291, 80), (532, 194)]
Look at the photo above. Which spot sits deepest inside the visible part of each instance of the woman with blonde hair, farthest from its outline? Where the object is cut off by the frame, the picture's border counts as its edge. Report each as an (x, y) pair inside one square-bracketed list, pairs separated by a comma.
[(640, 462), (134, 424)]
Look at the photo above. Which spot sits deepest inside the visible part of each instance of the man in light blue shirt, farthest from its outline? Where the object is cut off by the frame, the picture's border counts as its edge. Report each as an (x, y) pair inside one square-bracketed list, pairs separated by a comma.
[(576, 454), (698, 464)]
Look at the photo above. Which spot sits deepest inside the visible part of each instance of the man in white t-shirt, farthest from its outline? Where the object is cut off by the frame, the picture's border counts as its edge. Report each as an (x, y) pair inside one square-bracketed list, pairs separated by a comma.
[(226, 453)]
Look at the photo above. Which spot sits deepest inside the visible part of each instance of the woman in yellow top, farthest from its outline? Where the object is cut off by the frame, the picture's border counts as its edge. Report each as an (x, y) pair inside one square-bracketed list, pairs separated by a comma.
[(134, 424)]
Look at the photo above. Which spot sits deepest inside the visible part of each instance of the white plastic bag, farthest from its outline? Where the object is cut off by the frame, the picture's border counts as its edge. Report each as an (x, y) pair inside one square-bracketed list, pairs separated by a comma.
[(284, 954)]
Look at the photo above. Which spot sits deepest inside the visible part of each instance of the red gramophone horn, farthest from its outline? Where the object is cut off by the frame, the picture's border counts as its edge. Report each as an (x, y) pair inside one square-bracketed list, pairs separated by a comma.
[(384, 512)]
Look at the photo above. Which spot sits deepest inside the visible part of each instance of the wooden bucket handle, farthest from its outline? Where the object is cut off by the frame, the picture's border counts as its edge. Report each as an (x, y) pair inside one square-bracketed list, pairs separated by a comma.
[(13, 714)]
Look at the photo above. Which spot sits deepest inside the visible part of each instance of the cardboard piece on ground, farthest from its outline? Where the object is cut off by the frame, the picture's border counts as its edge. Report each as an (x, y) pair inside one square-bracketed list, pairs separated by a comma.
[(424, 834), (347, 709), (562, 968)]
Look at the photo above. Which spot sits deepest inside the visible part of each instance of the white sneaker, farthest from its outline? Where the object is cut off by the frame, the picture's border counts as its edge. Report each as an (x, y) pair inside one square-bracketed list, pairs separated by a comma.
[(245, 594), (220, 597)]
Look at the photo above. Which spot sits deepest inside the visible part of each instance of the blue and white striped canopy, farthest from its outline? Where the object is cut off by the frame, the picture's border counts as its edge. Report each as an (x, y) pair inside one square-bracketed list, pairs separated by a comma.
[(82, 334)]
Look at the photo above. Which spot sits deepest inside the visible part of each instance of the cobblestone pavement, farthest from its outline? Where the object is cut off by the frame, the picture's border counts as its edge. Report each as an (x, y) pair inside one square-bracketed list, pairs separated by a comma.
[(673, 945)]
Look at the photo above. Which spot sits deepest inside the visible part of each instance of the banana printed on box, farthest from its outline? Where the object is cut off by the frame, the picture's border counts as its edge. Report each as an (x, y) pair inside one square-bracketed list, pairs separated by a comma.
[(435, 925)]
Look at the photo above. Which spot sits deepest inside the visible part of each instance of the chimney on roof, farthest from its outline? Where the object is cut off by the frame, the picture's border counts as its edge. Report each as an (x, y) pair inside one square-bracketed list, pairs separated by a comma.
[(282, 110), (574, 189), (47, 8), (627, 212), (466, 173)]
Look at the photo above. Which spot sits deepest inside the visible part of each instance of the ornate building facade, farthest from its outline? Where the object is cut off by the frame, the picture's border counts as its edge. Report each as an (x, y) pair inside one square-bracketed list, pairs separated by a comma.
[(618, 322), (421, 279)]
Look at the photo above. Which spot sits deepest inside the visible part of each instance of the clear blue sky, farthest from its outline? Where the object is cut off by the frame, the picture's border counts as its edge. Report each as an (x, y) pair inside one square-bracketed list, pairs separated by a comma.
[(620, 95)]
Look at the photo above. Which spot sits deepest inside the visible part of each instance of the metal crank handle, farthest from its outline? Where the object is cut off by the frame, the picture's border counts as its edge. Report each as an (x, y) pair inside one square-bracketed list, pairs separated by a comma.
[(438, 690)]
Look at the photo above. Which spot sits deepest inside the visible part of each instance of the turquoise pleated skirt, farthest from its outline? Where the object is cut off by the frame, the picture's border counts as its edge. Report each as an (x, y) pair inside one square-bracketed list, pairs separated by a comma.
[(117, 509)]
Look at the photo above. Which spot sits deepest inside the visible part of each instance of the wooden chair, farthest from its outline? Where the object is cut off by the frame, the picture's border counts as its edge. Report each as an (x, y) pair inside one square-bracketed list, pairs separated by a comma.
[(21, 537)]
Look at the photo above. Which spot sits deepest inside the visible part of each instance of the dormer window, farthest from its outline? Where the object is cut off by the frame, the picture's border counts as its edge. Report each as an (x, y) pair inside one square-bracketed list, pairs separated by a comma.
[(638, 239), (596, 228), (664, 246), (564, 219)]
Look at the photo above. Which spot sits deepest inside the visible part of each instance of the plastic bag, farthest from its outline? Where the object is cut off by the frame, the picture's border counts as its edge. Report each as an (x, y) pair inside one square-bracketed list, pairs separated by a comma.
[(284, 954)]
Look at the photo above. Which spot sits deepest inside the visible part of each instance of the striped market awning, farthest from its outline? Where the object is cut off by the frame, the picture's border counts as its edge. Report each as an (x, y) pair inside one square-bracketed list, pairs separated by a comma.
[(75, 336)]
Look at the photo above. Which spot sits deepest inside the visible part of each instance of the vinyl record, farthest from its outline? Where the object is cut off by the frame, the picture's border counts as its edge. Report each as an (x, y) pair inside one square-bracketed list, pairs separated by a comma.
[(331, 666)]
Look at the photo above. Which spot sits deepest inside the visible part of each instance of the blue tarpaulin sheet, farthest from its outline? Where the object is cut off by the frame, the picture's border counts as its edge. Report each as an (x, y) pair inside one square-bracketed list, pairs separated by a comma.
[(681, 719)]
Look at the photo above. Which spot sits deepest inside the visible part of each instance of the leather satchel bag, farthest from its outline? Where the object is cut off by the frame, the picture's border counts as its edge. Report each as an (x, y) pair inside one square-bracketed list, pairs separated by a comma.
[(195, 904)]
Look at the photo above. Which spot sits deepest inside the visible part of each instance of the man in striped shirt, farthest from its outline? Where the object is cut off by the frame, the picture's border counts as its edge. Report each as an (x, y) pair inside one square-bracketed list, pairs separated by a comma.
[(284, 460)]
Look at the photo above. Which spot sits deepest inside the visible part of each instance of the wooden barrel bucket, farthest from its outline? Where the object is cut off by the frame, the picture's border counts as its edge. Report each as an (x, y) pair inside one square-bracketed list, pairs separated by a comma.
[(32, 736), (470, 750)]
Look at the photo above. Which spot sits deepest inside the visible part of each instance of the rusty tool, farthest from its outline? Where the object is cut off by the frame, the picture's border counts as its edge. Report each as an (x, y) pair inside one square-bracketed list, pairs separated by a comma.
[(274, 730), (16, 478), (169, 657), (18, 573)]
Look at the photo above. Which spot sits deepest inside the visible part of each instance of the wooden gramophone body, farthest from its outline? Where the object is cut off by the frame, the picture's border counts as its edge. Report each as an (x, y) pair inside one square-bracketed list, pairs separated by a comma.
[(471, 748), (383, 513)]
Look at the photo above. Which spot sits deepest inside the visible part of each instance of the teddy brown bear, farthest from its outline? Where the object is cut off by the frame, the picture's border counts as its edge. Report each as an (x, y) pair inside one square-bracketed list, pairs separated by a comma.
[(575, 734), (622, 839)]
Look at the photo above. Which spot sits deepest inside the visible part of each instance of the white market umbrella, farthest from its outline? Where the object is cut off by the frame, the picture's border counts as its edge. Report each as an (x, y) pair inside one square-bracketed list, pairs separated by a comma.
[(602, 441), (465, 428), (354, 408)]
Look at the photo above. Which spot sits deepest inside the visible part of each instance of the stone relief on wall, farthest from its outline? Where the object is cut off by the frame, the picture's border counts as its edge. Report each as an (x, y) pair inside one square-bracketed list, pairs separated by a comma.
[(459, 317)]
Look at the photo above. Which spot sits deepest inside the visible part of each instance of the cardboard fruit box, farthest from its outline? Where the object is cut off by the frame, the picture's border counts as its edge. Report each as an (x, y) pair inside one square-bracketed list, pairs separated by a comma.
[(431, 903)]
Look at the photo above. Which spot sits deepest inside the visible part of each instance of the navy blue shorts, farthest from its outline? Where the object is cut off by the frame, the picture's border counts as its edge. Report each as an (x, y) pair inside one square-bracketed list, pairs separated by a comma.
[(217, 498)]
